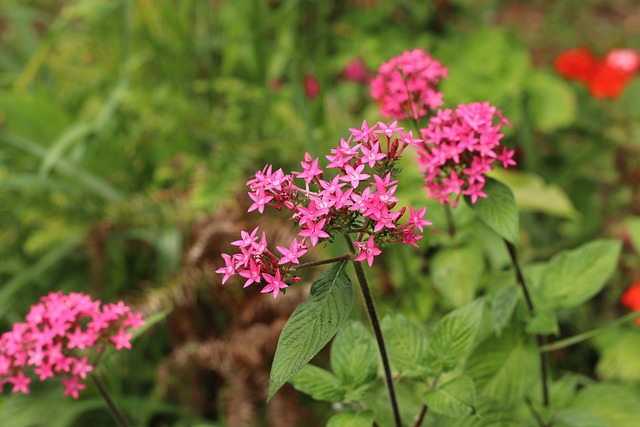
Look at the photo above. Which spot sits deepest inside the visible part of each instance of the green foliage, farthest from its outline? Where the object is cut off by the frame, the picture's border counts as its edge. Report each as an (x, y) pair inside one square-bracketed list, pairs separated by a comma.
[(406, 343), (318, 383), (312, 325), (502, 305), (456, 273), (573, 277), (456, 398), (551, 102), (498, 210), (351, 419), (500, 367), (354, 358), (618, 356), (453, 336), (615, 405)]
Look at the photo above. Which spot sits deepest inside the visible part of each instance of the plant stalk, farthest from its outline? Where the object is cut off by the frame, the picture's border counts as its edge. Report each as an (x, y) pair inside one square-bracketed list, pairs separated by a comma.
[(117, 414), (540, 339), (322, 262), (375, 323)]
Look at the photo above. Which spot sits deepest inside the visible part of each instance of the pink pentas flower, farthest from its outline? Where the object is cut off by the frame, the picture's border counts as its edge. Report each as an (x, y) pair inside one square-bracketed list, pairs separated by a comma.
[(407, 85), (366, 251), (353, 193), (459, 147), (274, 284), (57, 334)]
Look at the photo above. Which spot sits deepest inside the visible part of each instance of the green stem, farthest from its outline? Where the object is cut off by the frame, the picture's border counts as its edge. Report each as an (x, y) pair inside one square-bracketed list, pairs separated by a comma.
[(567, 342), (423, 411), (451, 227), (322, 262), (375, 323), (119, 416), (540, 339)]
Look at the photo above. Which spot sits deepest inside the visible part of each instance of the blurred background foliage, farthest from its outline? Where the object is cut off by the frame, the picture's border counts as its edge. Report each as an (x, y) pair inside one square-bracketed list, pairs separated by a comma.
[(129, 127)]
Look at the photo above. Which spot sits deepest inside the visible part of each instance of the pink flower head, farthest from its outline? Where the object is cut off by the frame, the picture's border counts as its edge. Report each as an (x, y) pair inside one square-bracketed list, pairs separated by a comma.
[(354, 193), (356, 71), (459, 148), (311, 86), (56, 332), (407, 85)]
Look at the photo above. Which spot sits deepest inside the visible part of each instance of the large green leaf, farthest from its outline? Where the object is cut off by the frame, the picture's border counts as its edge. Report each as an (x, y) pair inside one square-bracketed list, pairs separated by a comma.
[(573, 277), (456, 398), (351, 419), (488, 413), (453, 336), (488, 65), (456, 273), (405, 344), (498, 210), (502, 305), (505, 368), (632, 225), (312, 325), (617, 405), (578, 418), (619, 358), (532, 193), (318, 383), (354, 356), (552, 102)]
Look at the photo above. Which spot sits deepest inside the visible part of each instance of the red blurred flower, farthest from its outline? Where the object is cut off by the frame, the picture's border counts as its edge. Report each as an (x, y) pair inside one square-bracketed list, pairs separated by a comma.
[(605, 78), (631, 298), (311, 86), (577, 64)]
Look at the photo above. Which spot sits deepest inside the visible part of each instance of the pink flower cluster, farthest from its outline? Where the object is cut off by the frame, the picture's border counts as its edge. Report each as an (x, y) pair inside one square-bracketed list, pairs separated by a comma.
[(406, 86), (358, 199), (56, 337), (459, 148)]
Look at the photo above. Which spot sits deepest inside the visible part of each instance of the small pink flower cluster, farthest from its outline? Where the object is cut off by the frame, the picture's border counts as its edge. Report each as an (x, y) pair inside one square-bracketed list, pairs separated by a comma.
[(358, 199), (54, 340), (458, 150), (406, 86)]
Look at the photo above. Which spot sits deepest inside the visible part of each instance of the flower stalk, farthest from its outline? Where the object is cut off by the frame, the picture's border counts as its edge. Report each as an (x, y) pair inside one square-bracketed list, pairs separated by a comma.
[(540, 339), (117, 414), (375, 323)]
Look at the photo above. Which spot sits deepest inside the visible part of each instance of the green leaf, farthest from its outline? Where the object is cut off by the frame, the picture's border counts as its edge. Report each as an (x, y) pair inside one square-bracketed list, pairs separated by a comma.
[(544, 322), (577, 418), (488, 413), (551, 101), (632, 225), (563, 390), (502, 367), (617, 405), (619, 358), (498, 210), (318, 383), (351, 419), (532, 193), (488, 65), (312, 325), (354, 356), (453, 336), (453, 399), (456, 273), (575, 276), (405, 344), (502, 305)]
